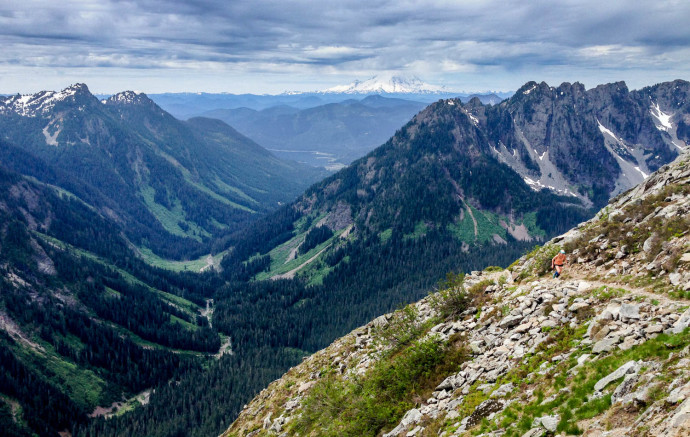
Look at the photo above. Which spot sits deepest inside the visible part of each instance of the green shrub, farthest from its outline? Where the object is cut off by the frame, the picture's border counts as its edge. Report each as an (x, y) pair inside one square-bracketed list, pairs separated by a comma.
[(480, 287), (452, 299), (366, 405), (542, 259), (403, 327)]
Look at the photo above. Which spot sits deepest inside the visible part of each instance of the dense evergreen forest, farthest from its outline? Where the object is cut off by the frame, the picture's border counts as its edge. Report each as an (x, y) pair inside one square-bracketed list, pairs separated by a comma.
[(278, 322), (98, 308)]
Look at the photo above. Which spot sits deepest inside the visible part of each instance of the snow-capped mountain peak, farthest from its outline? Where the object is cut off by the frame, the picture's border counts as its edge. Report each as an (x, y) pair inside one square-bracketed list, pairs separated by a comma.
[(128, 97), (33, 105), (386, 84)]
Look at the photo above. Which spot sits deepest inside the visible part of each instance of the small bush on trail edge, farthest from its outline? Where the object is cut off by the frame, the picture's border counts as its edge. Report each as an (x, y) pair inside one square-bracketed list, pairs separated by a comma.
[(543, 257), (452, 299), (403, 327)]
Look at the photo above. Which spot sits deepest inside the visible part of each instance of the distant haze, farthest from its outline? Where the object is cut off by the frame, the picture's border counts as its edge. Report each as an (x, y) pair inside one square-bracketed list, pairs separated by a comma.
[(271, 46)]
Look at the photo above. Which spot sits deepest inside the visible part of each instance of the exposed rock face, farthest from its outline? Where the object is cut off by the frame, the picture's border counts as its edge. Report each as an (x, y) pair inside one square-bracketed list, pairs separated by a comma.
[(540, 347), (543, 132)]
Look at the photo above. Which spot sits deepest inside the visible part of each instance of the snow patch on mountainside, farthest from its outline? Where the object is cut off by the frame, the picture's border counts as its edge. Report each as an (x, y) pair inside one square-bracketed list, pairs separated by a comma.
[(604, 130), (628, 158), (538, 185), (526, 92), (663, 118), (644, 175)]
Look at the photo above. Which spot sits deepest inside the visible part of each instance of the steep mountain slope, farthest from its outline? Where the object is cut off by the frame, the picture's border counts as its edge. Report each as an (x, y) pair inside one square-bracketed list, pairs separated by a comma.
[(172, 185), (84, 325), (430, 200), (513, 352), (330, 136), (435, 198), (479, 173)]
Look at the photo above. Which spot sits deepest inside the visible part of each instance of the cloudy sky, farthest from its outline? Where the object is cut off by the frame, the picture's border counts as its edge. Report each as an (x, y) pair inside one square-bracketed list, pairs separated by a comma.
[(267, 46)]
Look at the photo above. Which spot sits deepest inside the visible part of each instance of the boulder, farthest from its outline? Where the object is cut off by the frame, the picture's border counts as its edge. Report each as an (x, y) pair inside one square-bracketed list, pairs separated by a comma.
[(483, 410), (510, 321), (630, 311), (611, 312), (682, 323), (624, 387), (501, 350), (606, 344), (503, 390), (577, 306), (583, 286), (647, 245), (520, 329), (583, 359), (679, 394), (447, 384), (476, 347), (549, 324), (629, 367), (412, 416), (305, 386), (653, 329), (680, 421), (627, 343), (550, 423), (267, 420)]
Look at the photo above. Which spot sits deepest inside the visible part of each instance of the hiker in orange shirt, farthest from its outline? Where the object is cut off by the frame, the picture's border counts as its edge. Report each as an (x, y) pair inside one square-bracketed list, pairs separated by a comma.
[(557, 262)]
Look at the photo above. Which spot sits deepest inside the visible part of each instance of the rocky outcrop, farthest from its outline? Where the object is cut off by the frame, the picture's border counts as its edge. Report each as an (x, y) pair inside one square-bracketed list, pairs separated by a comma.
[(590, 352)]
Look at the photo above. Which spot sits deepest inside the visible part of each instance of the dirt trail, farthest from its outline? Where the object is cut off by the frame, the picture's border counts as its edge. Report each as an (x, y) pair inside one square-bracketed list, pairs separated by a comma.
[(291, 273), (458, 190), (225, 348), (469, 210), (208, 312), (210, 262), (576, 275)]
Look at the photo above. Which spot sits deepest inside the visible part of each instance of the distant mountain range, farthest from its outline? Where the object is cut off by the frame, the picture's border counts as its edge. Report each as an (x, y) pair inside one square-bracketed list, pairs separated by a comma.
[(357, 118), (185, 105), (172, 186), (527, 163), (331, 135)]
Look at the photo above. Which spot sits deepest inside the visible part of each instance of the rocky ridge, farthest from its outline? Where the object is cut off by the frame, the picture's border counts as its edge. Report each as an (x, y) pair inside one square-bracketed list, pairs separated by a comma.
[(601, 351)]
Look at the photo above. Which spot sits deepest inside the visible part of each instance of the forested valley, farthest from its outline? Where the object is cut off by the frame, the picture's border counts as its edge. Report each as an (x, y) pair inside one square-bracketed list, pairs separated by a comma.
[(101, 325)]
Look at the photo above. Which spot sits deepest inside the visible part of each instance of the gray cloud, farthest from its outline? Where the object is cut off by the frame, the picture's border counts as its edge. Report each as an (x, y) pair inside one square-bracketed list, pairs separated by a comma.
[(448, 41)]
